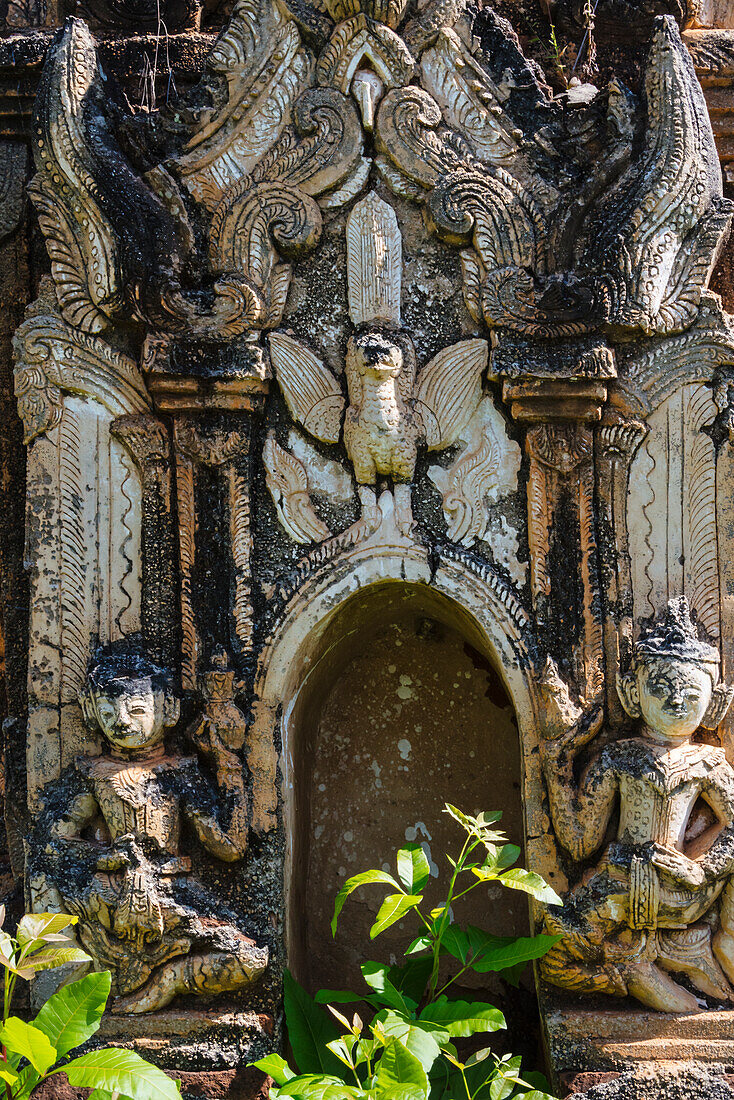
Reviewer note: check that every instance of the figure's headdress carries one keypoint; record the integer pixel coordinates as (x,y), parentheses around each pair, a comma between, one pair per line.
(114,665)
(675,635)
(117,665)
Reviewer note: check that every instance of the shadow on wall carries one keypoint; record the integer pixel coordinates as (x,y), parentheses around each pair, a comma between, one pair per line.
(401,712)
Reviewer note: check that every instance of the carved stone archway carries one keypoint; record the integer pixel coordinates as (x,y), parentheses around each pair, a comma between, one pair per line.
(486,615)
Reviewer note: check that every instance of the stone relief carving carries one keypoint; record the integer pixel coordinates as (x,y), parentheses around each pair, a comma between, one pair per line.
(140,912)
(660,899)
(391,406)
(287,481)
(673,489)
(483,473)
(381,150)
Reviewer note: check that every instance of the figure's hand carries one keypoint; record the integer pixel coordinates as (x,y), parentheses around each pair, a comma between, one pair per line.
(123,852)
(579,734)
(678,866)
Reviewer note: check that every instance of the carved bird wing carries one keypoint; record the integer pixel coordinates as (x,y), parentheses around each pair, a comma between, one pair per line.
(449,389)
(312,393)
(287,483)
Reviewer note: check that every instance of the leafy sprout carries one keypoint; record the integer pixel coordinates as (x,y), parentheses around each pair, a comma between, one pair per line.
(33,1052)
(408,1050)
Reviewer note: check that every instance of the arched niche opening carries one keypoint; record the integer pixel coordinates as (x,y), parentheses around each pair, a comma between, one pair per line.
(401,707)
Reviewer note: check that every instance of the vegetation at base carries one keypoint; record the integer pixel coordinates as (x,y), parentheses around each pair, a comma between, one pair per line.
(408,1050)
(33,1052)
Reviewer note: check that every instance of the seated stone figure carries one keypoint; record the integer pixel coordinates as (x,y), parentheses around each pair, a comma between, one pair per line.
(661,898)
(112,838)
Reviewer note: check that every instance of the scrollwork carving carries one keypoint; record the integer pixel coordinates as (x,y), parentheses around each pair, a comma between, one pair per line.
(53,358)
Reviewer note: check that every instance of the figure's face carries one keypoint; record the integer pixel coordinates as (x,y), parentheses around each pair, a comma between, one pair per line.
(381,362)
(388,366)
(135,718)
(674,697)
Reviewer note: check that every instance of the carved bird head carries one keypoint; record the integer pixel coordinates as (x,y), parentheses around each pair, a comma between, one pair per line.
(375,355)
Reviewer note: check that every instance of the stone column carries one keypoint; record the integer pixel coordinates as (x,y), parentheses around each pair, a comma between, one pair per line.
(211,410)
(558,404)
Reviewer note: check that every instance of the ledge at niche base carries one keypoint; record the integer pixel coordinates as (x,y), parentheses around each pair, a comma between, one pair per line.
(595,1039)
(211,1038)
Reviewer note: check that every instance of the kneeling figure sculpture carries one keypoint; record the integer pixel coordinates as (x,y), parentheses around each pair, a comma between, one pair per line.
(112,843)
(661,898)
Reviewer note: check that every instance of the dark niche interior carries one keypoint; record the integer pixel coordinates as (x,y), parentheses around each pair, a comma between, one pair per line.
(400,711)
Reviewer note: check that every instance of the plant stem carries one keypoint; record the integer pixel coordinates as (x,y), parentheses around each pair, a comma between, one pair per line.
(469,846)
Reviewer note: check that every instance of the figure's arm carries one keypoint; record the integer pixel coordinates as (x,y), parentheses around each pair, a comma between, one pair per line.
(66,830)
(718,861)
(79,813)
(580,811)
(718,790)
(228,841)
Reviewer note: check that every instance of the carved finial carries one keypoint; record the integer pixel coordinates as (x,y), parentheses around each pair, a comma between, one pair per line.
(374,262)
(560,711)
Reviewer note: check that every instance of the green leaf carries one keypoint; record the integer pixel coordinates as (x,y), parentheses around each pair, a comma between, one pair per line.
(48,960)
(8,961)
(414,869)
(72,1014)
(339,997)
(530,883)
(512,974)
(366,878)
(463,1018)
(33,926)
(310,1086)
(399,1069)
(309,1030)
(8,1076)
(487,953)
(29,1042)
(123,1071)
(537,1080)
(422,943)
(497,859)
(423,1043)
(393,909)
(275,1067)
(377,977)
(412,977)
(469,823)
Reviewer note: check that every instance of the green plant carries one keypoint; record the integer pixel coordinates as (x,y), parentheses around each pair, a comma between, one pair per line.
(33,1052)
(408,1051)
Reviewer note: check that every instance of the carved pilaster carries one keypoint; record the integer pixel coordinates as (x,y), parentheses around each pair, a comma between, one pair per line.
(616,441)
(223,447)
(146,438)
(561,527)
